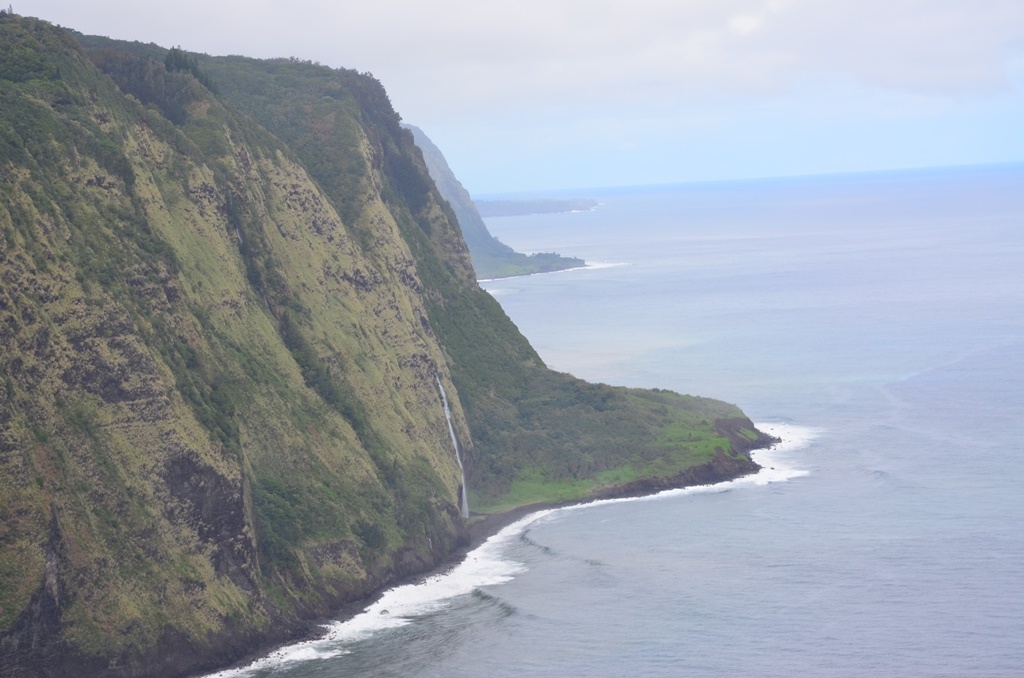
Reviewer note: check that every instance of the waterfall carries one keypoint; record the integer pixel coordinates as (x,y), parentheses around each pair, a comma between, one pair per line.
(455,443)
(241,243)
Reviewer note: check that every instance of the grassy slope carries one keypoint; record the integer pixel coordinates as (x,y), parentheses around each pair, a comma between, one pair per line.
(491,257)
(530,425)
(219,412)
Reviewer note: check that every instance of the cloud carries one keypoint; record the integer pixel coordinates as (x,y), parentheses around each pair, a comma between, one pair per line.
(505,56)
(552,73)
(544,51)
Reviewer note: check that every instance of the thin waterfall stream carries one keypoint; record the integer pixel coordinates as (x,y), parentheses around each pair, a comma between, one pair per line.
(455,443)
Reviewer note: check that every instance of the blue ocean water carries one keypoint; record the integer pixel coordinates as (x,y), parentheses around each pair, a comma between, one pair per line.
(877,321)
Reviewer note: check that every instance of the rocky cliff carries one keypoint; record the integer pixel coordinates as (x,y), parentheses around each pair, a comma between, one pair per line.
(228,293)
(491,257)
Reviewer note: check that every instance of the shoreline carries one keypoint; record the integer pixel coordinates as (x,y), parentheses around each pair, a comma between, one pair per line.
(315,631)
(585,267)
(722,469)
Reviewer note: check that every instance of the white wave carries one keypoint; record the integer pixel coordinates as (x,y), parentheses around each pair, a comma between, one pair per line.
(298,652)
(602,264)
(486,566)
(588,266)
(774,461)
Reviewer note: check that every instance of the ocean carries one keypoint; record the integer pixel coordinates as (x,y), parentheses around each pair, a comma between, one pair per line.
(875,322)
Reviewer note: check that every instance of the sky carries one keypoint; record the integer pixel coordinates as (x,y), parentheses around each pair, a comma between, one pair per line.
(531,95)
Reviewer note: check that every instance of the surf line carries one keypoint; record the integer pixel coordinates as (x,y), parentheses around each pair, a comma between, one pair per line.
(487,565)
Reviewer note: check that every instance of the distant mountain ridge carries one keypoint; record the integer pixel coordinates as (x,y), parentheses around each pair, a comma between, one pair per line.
(491,257)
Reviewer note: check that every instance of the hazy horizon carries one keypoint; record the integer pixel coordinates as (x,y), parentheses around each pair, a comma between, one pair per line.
(582,191)
(531,96)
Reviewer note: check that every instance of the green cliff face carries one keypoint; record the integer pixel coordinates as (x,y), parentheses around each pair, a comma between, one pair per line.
(223,318)
(491,257)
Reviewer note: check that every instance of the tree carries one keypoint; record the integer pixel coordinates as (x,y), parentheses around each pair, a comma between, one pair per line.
(178,59)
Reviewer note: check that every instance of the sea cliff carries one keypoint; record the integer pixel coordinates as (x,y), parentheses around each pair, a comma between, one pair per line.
(229,291)
(491,257)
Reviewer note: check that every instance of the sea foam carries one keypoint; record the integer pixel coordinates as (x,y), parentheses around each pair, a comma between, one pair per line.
(775,462)
(484,566)
(298,652)
(487,566)
(588,266)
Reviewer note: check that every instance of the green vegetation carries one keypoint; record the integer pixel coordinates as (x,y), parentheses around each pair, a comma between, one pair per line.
(523,419)
(588,435)
(491,257)
(178,60)
(222,318)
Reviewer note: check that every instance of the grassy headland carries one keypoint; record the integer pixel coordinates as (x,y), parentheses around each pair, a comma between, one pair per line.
(491,257)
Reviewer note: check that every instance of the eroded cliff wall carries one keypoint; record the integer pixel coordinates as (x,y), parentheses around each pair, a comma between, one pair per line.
(228,289)
(220,411)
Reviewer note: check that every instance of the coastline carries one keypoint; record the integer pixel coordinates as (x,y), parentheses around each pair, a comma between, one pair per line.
(721,469)
(311,641)
(585,267)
